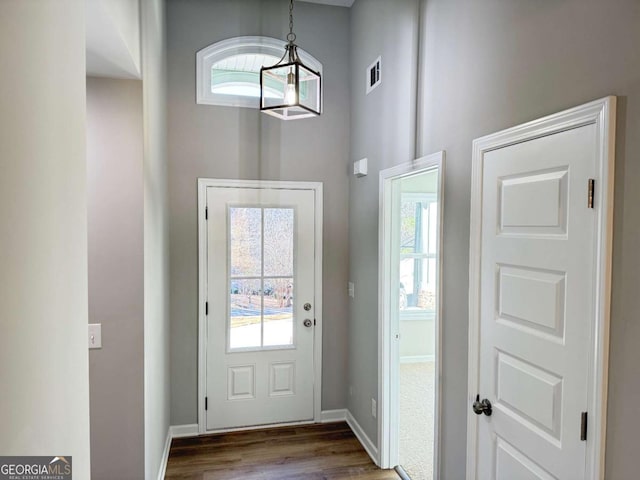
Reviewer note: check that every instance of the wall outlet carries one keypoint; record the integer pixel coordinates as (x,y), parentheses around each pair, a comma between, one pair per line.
(352,290)
(374,408)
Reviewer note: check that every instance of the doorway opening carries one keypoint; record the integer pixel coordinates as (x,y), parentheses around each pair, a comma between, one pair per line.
(410,231)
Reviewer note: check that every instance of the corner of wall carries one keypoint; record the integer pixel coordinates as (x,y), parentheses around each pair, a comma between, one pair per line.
(156,236)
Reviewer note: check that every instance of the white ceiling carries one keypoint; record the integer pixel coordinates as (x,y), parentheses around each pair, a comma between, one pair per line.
(337,3)
(113,38)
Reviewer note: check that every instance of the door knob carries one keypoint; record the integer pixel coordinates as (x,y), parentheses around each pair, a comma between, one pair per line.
(307,322)
(480,407)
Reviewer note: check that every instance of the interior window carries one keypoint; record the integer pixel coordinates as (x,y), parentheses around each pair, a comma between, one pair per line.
(418,273)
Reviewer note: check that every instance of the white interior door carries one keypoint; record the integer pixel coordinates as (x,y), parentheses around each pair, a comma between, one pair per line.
(537,304)
(260,293)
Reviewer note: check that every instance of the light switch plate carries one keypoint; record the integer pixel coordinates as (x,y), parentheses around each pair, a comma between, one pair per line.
(95,335)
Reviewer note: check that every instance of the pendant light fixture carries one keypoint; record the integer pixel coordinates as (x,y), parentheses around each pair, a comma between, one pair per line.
(289,89)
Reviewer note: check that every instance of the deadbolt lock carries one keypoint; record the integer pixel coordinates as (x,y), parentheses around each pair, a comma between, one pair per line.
(307,306)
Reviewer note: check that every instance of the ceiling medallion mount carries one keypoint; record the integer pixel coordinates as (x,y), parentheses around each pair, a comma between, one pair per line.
(290,90)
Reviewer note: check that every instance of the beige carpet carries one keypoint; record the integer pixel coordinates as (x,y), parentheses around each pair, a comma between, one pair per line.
(416,419)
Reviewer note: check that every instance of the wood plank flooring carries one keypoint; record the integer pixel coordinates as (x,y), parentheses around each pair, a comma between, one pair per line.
(311,452)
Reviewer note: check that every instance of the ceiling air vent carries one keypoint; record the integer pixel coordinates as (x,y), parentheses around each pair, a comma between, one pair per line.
(374,77)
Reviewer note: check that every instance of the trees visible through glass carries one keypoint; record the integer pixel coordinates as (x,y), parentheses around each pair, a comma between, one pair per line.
(261,280)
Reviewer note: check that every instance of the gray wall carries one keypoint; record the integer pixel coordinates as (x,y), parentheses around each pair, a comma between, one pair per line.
(383,130)
(486,66)
(156,235)
(227,142)
(44,367)
(115,246)
(493,64)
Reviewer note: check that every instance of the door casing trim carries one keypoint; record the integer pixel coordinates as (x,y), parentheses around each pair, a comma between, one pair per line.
(602,114)
(386,391)
(203,184)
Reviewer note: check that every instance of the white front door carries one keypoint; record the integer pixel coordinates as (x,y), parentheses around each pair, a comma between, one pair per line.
(537,304)
(260,292)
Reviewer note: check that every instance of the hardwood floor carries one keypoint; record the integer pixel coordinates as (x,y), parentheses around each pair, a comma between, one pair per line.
(313,452)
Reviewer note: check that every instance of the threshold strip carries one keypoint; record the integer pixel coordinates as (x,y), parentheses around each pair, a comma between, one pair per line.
(401,473)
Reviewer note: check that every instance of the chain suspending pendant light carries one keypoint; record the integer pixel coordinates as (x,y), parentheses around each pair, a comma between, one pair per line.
(289,89)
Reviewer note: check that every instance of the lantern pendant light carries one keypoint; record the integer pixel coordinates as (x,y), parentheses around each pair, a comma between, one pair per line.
(289,89)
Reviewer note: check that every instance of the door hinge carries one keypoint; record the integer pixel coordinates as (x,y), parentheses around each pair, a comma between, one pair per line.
(206,213)
(206,308)
(314,322)
(583,427)
(206,403)
(591,189)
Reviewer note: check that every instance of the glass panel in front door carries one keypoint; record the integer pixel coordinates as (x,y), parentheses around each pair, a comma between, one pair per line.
(261,278)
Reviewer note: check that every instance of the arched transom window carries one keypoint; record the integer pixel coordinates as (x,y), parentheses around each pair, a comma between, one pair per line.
(228,72)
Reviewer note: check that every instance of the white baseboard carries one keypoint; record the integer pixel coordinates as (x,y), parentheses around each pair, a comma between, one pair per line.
(366,442)
(174,431)
(179,431)
(330,416)
(165,456)
(418,359)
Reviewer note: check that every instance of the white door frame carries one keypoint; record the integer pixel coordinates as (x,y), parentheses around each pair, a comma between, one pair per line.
(387,347)
(600,113)
(203,184)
